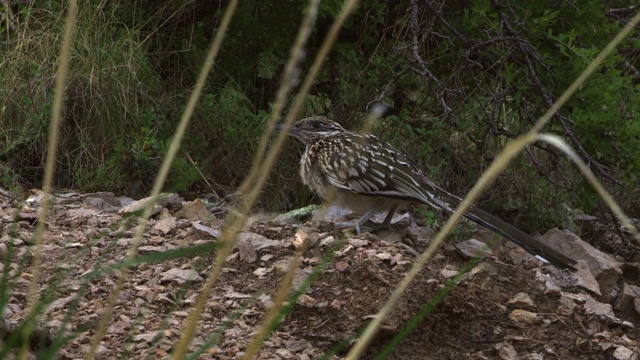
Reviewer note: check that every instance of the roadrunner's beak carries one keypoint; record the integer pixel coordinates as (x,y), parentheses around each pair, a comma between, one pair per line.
(291,130)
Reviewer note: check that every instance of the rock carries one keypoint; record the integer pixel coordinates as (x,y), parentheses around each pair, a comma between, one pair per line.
(358,243)
(584,217)
(524,317)
(260,242)
(147,337)
(568,302)
(325,226)
(150,249)
(305,237)
(37,197)
(246,250)
(296,345)
(605,269)
(624,353)
(170,201)
(260,272)
(165,226)
(285,354)
(342,266)
(398,219)
(299,278)
(30,217)
(59,303)
(631,270)
(448,273)
(306,301)
(328,241)
(489,268)
(282,266)
(215,233)
(102,201)
(383,256)
(473,248)
(393,236)
(521,299)
(124,201)
(585,279)
(397,260)
(329,214)
(519,257)
(593,307)
(548,285)
(506,351)
(336,304)
(422,234)
(267,257)
(236,295)
(74,245)
(180,276)
(82,213)
(265,301)
(272,232)
(627,298)
(194,211)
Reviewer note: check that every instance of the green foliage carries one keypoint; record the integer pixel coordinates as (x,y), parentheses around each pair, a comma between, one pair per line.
(9,180)
(456,92)
(427,216)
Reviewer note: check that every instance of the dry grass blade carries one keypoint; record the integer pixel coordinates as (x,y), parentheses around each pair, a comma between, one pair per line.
(281,296)
(253,184)
(499,164)
(56,119)
(290,79)
(164,171)
(613,205)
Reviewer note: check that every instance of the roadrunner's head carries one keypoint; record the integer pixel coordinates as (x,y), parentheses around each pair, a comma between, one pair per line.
(312,129)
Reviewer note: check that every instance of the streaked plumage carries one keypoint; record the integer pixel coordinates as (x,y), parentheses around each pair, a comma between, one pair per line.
(360,172)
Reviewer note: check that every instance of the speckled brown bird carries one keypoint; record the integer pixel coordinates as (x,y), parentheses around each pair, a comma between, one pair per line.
(359,172)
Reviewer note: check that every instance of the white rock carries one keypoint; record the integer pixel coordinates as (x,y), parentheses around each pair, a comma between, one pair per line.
(624,353)
(524,317)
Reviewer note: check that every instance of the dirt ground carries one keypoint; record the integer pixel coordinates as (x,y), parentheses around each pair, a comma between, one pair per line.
(477,320)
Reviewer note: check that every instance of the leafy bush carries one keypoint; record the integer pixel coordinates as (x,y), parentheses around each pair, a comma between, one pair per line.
(459,80)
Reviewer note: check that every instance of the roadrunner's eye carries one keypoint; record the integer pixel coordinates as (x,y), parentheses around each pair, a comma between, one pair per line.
(316,125)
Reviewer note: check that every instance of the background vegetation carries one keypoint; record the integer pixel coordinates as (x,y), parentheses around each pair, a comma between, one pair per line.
(458,79)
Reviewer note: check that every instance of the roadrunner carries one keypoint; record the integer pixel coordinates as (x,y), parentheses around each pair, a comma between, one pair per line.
(359,172)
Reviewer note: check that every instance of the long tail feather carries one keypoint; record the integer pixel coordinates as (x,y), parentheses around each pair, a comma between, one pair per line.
(532,245)
(436,196)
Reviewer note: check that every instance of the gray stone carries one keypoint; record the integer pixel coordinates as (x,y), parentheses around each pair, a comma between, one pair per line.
(171,201)
(605,269)
(473,248)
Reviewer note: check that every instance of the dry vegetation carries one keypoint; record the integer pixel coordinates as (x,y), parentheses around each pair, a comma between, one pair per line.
(145,108)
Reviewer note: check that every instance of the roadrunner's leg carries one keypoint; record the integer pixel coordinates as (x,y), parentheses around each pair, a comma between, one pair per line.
(364,224)
(358,224)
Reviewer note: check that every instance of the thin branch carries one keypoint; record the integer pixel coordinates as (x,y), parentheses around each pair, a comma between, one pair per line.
(444,22)
(528,53)
(415,28)
(391,85)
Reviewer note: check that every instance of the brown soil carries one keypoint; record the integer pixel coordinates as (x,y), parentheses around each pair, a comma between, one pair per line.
(472,322)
